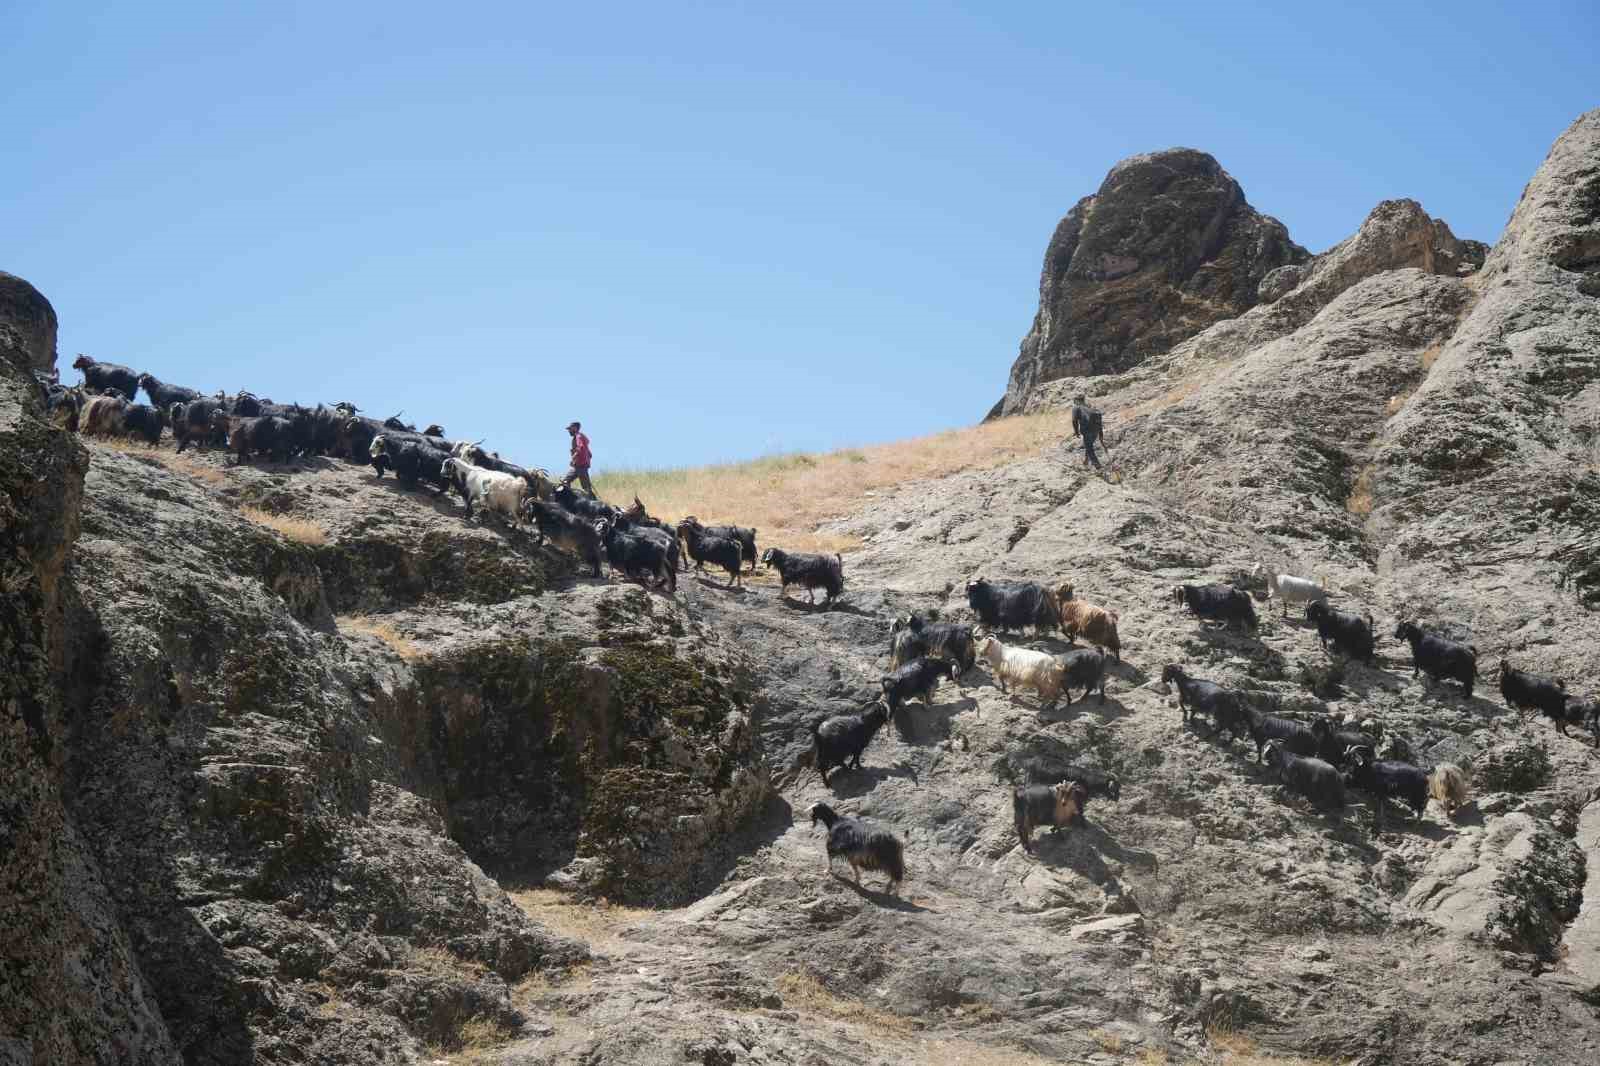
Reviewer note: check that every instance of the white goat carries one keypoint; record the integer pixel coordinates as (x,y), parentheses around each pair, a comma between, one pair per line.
(1023,667)
(489,490)
(1297,590)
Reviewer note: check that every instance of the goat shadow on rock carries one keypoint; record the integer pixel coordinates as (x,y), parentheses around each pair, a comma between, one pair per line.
(708,582)
(1061,711)
(1085,849)
(857,783)
(880,897)
(929,725)
(838,606)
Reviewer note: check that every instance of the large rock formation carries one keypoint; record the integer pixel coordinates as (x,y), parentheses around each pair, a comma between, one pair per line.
(1167,246)
(1099,315)
(27,325)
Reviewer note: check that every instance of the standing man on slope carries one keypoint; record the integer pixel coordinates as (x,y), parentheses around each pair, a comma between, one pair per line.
(1086,423)
(580,459)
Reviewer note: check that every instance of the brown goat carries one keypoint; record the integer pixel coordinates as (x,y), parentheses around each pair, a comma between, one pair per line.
(1096,624)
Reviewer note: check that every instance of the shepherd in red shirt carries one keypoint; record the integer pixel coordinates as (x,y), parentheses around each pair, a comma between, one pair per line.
(580,459)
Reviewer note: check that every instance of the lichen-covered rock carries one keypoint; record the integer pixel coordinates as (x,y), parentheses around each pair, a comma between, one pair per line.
(1515,884)
(1514,766)
(27,325)
(1164,248)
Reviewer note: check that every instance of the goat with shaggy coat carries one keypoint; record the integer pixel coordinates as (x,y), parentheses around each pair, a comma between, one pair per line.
(1198,696)
(1024,668)
(1582,712)
(1013,605)
(1351,634)
(1222,603)
(102,416)
(914,637)
(1530,692)
(1086,667)
(163,395)
(705,547)
(1046,805)
(566,531)
(1095,624)
(863,845)
(1314,779)
(744,536)
(488,490)
(1411,785)
(919,677)
(808,570)
(840,739)
(1438,658)
(98,377)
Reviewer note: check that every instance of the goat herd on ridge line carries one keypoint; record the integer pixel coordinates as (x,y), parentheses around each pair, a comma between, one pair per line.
(1319,760)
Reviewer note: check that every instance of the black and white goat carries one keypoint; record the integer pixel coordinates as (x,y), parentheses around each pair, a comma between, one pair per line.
(863,845)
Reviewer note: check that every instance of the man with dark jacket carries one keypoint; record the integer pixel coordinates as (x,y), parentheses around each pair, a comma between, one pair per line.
(580,459)
(1086,423)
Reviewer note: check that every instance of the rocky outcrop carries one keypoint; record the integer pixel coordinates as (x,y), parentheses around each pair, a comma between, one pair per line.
(1167,246)
(27,325)
(1397,235)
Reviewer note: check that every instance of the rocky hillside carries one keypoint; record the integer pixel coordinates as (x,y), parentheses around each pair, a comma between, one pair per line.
(279,739)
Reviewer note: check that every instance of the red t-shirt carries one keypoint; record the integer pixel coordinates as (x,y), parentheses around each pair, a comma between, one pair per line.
(580,450)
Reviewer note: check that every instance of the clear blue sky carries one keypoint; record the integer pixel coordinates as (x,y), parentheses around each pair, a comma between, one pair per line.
(709,231)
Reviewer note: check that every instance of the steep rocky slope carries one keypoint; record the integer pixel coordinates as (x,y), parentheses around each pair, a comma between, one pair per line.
(263,794)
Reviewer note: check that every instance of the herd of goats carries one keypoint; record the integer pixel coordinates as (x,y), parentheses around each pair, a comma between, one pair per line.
(1320,760)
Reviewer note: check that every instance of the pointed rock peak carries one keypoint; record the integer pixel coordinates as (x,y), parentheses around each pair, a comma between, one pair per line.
(27,325)
(1165,247)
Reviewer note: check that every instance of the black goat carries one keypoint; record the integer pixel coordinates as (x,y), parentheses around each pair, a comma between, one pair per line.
(839,740)
(1581,712)
(1384,779)
(566,531)
(1314,779)
(582,505)
(912,637)
(863,845)
(163,395)
(705,547)
(1040,805)
(1013,605)
(1217,603)
(665,538)
(919,677)
(98,377)
(1351,634)
(1530,692)
(411,462)
(1439,658)
(637,554)
(142,420)
(1333,742)
(195,421)
(1294,736)
(1199,696)
(808,570)
(265,434)
(1086,667)
(744,536)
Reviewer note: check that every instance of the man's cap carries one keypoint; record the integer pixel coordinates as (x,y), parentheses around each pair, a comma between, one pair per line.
(573,425)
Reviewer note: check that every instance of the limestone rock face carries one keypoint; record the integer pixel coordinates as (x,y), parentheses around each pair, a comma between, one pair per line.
(27,325)
(1167,246)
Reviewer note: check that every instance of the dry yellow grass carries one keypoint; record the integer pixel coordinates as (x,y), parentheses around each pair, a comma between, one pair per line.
(592,923)
(1431,354)
(1240,1050)
(1398,400)
(384,631)
(300,530)
(1360,501)
(801,991)
(786,497)
(167,456)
